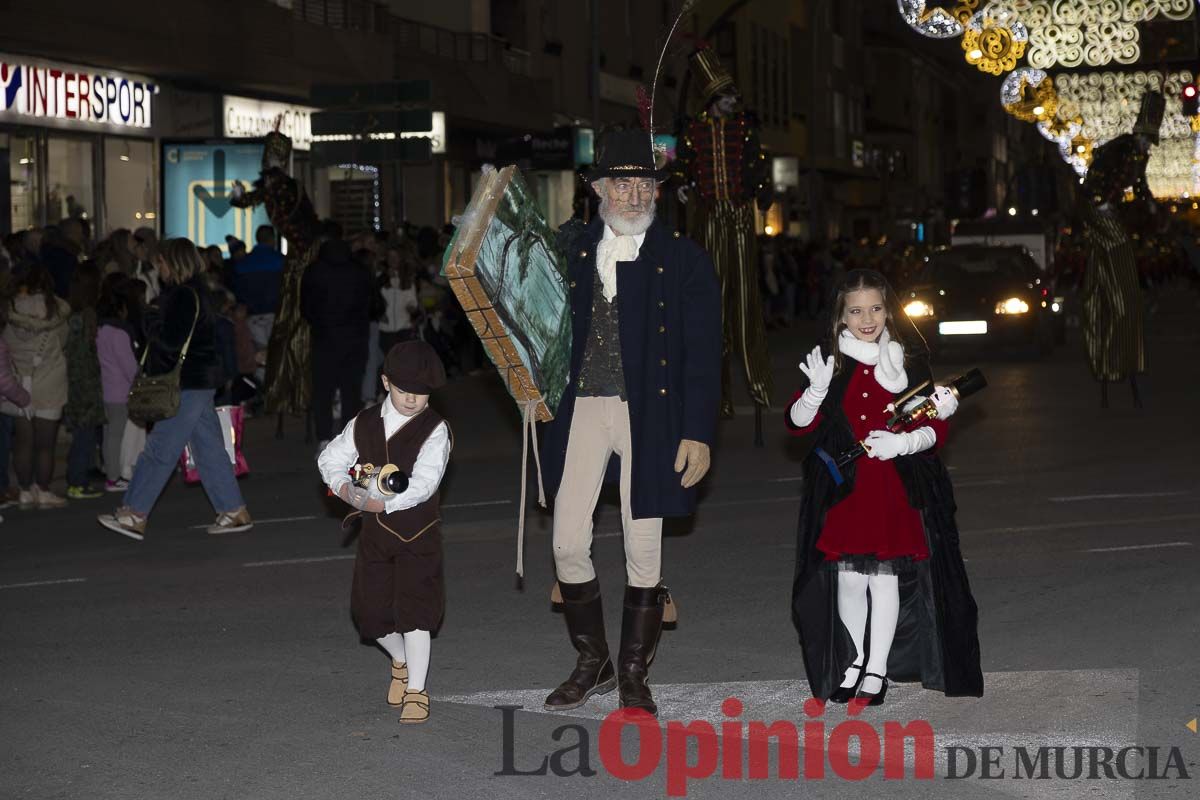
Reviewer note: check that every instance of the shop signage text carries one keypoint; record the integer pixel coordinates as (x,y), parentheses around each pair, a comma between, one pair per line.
(246,118)
(68,93)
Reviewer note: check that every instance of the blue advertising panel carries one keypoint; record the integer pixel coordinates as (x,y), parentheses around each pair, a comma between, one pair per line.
(197,183)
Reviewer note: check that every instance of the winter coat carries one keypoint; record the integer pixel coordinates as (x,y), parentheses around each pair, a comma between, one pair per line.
(168,322)
(85,396)
(36,343)
(10,385)
(669,318)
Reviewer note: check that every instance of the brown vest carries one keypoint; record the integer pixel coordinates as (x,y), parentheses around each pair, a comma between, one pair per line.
(402,450)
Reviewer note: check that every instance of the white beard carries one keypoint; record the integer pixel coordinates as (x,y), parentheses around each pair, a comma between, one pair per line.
(624,226)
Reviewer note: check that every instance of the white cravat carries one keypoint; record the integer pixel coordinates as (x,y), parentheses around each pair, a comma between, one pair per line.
(614,248)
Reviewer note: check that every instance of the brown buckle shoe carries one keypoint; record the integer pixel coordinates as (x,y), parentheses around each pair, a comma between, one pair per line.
(593,673)
(399,684)
(416,708)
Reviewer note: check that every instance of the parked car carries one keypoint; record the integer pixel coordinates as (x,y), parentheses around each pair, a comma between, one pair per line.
(983,295)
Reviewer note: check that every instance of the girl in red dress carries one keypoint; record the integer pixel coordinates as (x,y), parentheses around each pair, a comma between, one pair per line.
(866,535)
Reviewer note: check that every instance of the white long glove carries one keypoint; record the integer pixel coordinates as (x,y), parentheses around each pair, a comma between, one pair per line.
(885,445)
(819,372)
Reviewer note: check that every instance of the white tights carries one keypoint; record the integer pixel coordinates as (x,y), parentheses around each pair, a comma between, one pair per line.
(885,610)
(411,648)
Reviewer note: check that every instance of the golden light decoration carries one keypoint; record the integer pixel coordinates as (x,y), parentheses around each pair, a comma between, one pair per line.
(965,10)
(1029,95)
(1081,148)
(994,40)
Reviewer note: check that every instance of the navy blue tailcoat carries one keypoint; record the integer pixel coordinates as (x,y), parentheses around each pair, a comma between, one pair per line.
(669,316)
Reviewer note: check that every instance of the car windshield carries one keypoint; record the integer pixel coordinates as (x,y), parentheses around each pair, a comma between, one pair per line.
(959,265)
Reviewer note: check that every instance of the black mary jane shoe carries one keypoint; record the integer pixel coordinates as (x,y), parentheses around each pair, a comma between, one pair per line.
(868,699)
(844,694)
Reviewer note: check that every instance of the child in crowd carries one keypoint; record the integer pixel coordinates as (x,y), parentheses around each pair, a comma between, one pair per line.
(115,339)
(398,595)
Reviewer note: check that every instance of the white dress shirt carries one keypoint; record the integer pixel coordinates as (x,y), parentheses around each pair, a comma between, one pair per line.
(614,248)
(340,455)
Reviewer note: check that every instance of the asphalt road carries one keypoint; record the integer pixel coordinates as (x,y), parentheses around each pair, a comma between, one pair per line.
(193,666)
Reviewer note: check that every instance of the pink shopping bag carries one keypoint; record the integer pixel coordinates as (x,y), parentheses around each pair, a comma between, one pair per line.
(231,419)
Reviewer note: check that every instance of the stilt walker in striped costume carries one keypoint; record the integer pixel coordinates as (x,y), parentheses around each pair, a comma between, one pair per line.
(1112,297)
(719,156)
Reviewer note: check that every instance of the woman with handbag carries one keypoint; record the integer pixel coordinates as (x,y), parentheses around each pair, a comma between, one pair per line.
(181,371)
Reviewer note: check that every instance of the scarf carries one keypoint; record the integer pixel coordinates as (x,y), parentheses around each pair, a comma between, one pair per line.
(608,253)
(889,369)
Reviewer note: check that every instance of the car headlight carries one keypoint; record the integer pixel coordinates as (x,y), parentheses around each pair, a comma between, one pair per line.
(918,308)
(1013,305)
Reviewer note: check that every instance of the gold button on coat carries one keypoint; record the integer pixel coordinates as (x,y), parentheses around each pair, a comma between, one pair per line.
(572,284)
(660,270)
(662,362)
(662,328)
(662,392)
(583,253)
(661,304)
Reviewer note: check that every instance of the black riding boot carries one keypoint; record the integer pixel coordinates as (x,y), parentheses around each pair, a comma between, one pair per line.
(593,673)
(641,623)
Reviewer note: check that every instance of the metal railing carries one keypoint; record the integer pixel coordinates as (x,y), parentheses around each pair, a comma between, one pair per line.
(368,16)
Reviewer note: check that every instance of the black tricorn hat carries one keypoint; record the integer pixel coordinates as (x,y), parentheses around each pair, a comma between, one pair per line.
(625,153)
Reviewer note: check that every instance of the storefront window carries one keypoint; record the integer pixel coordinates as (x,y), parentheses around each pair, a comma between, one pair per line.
(69,179)
(130,190)
(18,189)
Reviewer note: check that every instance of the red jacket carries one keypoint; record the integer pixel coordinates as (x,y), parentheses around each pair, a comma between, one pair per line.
(876,518)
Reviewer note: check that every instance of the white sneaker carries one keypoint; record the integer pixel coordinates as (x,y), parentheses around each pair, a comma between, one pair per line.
(26,500)
(47,499)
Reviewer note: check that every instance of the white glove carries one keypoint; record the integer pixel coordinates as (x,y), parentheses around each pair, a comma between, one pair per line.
(945,402)
(819,372)
(237,190)
(361,499)
(682,194)
(885,445)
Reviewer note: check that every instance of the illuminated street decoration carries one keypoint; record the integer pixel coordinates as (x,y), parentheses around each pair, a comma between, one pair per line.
(1077,111)
(1108,102)
(1073,33)
(994,40)
(936,23)
(1029,95)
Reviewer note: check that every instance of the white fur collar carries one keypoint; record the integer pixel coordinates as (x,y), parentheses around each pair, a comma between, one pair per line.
(889,370)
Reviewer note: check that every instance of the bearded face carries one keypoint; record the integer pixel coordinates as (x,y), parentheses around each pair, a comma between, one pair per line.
(627,205)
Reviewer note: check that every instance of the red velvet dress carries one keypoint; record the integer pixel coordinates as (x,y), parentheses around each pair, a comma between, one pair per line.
(876,519)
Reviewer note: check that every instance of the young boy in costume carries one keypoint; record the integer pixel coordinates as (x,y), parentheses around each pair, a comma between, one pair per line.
(398,594)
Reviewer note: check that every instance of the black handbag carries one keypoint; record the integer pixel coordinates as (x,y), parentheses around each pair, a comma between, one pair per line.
(153,398)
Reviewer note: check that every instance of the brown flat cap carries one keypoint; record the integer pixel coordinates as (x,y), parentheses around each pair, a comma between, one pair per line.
(414,367)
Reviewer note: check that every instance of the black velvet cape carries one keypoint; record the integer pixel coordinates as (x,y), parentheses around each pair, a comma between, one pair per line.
(936,639)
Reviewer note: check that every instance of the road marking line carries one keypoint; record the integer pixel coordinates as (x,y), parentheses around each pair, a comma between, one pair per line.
(1075,498)
(268,521)
(981,482)
(785,480)
(284,561)
(476,505)
(42,583)
(1137,547)
(1099,523)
